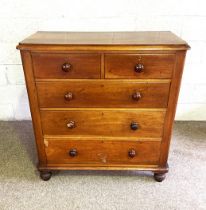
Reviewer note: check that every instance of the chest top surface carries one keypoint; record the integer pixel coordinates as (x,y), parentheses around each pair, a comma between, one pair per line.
(143,38)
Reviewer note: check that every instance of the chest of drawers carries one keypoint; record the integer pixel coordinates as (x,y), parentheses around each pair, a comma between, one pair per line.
(103,101)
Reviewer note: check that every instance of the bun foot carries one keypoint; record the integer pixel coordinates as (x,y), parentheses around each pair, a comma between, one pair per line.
(159,177)
(45,175)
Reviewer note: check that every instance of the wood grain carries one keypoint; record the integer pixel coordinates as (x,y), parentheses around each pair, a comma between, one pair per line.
(108,123)
(102,152)
(34,107)
(82,65)
(156,66)
(117,167)
(154,39)
(94,93)
(172,104)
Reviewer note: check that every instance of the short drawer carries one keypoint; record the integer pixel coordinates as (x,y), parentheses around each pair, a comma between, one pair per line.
(103,94)
(66,65)
(102,152)
(134,123)
(137,66)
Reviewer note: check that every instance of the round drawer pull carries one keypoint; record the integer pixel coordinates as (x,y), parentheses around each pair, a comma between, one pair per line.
(134,126)
(71,124)
(131,153)
(73,152)
(139,68)
(66,67)
(136,96)
(68,96)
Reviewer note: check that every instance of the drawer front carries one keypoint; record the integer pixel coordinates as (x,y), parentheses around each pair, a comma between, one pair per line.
(102,152)
(137,66)
(103,94)
(66,65)
(103,122)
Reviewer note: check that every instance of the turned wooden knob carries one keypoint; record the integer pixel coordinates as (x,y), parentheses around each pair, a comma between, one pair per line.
(136,96)
(73,152)
(68,96)
(66,67)
(131,153)
(134,126)
(139,68)
(71,124)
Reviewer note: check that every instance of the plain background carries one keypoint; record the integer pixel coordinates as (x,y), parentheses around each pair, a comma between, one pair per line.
(20,18)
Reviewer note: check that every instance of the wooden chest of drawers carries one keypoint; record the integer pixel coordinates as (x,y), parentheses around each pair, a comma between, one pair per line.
(103,101)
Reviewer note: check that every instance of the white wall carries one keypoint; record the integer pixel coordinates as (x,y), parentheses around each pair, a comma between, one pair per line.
(20,18)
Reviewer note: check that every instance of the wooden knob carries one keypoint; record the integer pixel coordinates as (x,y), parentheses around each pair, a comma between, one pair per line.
(68,96)
(131,153)
(66,67)
(136,96)
(134,126)
(73,152)
(71,124)
(139,68)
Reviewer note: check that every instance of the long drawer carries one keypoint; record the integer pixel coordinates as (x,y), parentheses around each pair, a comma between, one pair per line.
(105,93)
(60,65)
(131,123)
(66,151)
(139,66)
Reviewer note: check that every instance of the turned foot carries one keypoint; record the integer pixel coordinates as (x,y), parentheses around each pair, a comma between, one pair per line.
(159,177)
(45,175)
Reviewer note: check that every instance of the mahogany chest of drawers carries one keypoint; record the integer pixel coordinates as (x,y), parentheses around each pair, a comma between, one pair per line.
(103,101)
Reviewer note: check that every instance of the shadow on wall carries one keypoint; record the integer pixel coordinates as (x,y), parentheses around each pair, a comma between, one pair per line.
(21,107)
